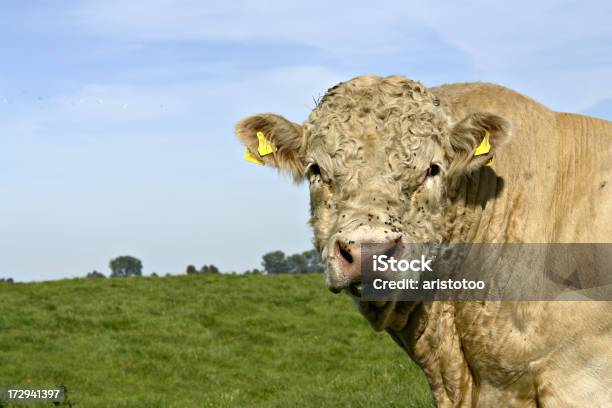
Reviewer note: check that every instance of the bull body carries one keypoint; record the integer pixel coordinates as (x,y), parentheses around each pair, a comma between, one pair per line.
(555,174)
(549,184)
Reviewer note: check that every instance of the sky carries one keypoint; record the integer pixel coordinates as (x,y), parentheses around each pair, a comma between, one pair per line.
(116,117)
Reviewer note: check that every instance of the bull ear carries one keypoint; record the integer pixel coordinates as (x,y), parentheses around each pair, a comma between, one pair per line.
(475,140)
(286,138)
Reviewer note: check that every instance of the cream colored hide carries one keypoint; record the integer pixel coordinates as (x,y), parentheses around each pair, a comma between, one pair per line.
(390,160)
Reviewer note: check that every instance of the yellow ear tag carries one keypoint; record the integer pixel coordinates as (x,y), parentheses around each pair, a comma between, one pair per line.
(250,157)
(484,148)
(265,146)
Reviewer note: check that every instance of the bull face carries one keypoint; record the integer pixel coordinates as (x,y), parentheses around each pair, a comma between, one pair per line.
(382,158)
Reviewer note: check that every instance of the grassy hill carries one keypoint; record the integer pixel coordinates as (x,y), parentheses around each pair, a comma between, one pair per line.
(201,341)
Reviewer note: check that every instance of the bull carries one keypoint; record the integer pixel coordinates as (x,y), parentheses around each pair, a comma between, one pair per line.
(389,160)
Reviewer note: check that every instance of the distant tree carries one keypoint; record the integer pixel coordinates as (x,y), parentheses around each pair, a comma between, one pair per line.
(313,261)
(154,275)
(191,270)
(296,263)
(7,280)
(209,269)
(124,266)
(95,274)
(275,262)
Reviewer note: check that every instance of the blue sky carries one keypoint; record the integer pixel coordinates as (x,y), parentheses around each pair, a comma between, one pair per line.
(116,118)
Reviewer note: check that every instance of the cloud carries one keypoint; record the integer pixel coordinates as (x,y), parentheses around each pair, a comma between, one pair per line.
(207,102)
(342,24)
(554,51)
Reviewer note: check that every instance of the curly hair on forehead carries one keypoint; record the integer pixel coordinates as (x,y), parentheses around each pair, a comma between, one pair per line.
(382,103)
(370,121)
(369,85)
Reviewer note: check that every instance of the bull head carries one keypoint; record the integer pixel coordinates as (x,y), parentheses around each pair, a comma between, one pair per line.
(384,160)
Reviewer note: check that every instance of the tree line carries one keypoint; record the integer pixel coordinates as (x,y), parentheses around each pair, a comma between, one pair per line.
(275,262)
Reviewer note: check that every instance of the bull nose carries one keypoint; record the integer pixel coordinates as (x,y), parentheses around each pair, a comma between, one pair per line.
(346,251)
(349,254)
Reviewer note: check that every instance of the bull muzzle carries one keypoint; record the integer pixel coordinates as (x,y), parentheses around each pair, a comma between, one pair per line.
(347,257)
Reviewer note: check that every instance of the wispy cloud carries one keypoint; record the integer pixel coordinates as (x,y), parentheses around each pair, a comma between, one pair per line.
(558,52)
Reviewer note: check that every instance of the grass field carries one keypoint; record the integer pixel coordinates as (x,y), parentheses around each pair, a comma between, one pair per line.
(201,341)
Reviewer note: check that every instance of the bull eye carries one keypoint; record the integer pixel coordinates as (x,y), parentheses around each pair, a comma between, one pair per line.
(313,170)
(433,170)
